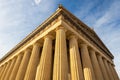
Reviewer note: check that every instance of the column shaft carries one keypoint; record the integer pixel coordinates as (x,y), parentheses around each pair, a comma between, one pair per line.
(16,67)
(86,61)
(5,71)
(60,71)
(96,66)
(115,73)
(102,66)
(2,69)
(108,69)
(23,65)
(112,71)
(33,63)
(10,69)
(69,76)
(75,61)
(45,65)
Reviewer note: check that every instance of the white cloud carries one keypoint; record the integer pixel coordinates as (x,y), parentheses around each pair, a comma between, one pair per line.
(19,18)
(37,2)
(85,8)
(105,20)
(108,28)
(112,14)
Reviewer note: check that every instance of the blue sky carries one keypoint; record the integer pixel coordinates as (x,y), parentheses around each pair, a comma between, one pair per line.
(19,17)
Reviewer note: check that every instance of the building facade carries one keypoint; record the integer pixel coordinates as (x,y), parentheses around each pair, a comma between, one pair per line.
(61,48)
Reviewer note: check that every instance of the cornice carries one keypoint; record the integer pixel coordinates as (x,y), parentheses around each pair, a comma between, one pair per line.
(33,33)
(87,31)
(73,20)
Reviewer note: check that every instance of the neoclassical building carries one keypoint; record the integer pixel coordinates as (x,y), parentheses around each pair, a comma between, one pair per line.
(61,48)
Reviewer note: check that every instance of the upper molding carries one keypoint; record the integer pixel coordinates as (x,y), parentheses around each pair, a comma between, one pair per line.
(86,30)
(73,20)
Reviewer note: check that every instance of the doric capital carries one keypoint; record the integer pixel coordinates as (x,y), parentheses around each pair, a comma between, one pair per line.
(83,45)
(37,44)
(49,36)
(99,55)
(92,50)
(72,36)
(61,28)
(28,49)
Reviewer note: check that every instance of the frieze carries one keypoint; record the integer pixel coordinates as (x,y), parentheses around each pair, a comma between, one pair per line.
(74,21)
(88,33)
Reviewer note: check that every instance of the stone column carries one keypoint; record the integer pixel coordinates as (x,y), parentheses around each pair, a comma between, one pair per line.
(102,66)
(86,61)
(114,72)
(23,65)
(96,66)
(109,64)
(10,69)
(33,63)
(108,69)
(16,67)
(45,66)
(60,71)
(5,71)
(3,68)
(0,69)
(69,76)
(75,61)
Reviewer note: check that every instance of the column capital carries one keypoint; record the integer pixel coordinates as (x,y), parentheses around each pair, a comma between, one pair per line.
(83,45)
(61,27)
(28,49)
(113,65)
(72,36)
(100,56)
(49,36)
(104,59)
(37,44)
(92,50)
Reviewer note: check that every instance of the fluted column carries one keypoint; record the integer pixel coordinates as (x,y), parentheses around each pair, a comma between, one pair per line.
(5,71)
(4,66)
(75,61)
(114,72)
(33,62)
(69,76)
(2,69)
(16,67)
(23,65)
(96,66)
(60,71)
(102,66)
(108,69)
(86,61)
(45,65)
(10,69)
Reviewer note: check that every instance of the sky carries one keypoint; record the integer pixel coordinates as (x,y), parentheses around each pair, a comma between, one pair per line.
(19,17)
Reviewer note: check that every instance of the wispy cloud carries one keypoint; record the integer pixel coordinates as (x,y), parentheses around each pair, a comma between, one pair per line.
(110,16)
(104,16)
(19,18)
(38,1)
(108,28)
